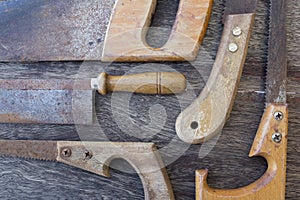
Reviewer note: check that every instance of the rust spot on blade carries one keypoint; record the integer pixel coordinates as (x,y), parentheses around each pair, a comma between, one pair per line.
(45,84)
(14,118)
(53,30)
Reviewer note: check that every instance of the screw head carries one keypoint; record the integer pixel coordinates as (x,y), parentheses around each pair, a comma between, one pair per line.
(66,152)
(277,137)
(87,155)
(94,84)
(278,115)
(236,31)
(232,47)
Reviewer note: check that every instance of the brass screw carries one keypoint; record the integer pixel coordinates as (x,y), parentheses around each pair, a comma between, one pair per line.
(66,152)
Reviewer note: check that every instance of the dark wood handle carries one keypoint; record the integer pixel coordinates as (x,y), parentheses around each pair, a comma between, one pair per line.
(144,83)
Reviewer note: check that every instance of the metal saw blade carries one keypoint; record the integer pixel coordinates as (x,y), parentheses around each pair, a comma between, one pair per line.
(233,7)
(39,150)
(277,54)
(51,101)
(46,30)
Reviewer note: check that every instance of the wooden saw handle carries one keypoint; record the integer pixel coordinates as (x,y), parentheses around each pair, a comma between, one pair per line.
(145,83)
(207,115)
(143,157)
(125,39)
(271,186)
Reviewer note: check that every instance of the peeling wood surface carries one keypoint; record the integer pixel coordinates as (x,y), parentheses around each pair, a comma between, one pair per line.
(228,162)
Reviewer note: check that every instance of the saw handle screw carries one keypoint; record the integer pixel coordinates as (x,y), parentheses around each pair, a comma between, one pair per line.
(278,115)
(87,155)
(277,137)
(236,31)
(66,152)
(232,47)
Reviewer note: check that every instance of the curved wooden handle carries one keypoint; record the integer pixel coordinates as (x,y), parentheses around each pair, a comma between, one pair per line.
(207,115)
(271,143)
(145,83)
(143,157)
(126,34)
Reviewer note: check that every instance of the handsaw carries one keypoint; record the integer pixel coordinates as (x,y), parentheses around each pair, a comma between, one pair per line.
(96,157)
(271,137)
(206,116)
(71,101)
(35,30)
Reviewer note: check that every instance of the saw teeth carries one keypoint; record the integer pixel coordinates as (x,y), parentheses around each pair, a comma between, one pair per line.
(27,158)
(266,71)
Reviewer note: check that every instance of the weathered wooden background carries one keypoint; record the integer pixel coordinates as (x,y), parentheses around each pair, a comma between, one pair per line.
(228,162)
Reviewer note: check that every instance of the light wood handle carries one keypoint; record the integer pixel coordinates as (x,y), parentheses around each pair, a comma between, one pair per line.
(144,83)
(271,186)
(125,39)
(143,157)
(207,115)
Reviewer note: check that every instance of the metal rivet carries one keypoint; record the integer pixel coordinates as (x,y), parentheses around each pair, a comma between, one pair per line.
(233,47)
(66,152)
(87,155)
(278,115)
(277,137)
(94,84)
(237,31)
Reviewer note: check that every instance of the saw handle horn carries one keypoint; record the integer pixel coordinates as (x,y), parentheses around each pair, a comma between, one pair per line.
(144,83)
(271,143)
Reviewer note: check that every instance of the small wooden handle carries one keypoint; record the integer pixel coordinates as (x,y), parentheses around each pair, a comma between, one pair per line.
(206,116)
(144,83)
(271,143)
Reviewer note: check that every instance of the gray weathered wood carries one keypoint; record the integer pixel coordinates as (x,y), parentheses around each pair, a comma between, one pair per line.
(228,162)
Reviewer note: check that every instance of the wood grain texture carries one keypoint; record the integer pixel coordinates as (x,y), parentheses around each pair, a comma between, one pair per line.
(271,186)
(125,39)
(144,83)
(206,116)
(227,162)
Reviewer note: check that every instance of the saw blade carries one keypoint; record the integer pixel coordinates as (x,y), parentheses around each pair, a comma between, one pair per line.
(57,101)
(233,7)
(53,30)
(277,55)
(29,149)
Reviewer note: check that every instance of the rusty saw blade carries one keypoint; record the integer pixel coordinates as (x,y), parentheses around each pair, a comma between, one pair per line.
(234,7)
(71,101)
(277,54)
(38,150)
(54,101)
(47,30)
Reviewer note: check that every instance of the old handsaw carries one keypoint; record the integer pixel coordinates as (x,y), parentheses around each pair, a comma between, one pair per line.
(95,157)
(71,101)
(207,115)
(43,30)
(271,137)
